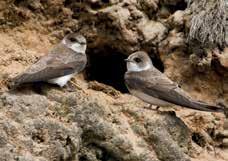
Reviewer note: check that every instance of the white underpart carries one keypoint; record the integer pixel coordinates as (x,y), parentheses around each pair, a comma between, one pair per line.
(135,68)
(61,81)
(149,99)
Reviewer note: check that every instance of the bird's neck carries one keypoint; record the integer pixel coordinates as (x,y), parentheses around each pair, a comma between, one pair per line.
(131,67)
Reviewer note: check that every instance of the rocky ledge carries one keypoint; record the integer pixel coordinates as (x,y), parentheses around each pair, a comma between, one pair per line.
(89,125)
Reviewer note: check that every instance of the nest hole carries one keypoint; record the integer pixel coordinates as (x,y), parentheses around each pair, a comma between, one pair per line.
(157,62)
(108,66)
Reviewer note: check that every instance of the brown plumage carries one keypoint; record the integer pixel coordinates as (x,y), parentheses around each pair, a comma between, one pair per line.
(62,60)
(156,88)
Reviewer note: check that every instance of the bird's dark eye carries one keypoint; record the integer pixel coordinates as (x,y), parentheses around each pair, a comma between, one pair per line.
(72,39)
(83,43)
(137,60)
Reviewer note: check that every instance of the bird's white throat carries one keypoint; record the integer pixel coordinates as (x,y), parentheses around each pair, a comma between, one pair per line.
(75,47)
(78,48)
(135,68)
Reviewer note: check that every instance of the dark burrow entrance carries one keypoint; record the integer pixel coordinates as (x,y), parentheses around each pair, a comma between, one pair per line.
(108,66)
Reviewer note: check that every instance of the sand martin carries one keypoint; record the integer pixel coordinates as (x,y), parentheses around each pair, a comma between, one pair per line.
(64,61)
(146,82)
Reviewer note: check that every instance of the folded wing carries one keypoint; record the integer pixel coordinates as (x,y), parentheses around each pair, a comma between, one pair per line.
(57,63)
(156,84)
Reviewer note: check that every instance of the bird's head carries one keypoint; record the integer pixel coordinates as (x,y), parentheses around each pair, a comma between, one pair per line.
(76,42)
(138,61)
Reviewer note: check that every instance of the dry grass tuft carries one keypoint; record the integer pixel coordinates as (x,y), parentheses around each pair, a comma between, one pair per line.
(208,22)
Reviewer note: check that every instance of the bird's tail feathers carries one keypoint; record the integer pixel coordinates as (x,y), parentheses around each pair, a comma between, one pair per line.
(222,104)
(206,107)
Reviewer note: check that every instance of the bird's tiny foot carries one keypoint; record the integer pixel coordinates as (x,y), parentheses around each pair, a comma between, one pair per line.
(76,85)
(150,107)
(73,87)
(70,87)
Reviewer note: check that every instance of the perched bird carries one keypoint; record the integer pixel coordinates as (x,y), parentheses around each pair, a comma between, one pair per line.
(64,61)
(144,81)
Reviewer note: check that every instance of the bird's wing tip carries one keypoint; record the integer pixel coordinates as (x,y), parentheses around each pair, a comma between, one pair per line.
(224,106)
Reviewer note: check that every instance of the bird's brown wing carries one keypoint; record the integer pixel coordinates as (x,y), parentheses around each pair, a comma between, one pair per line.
(59,62)
(156,84)
(45,74)
(149,79)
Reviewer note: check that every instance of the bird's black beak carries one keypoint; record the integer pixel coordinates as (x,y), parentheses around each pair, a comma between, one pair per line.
(127,60)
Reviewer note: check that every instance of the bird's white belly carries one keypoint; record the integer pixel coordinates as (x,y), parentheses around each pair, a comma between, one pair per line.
(149,99)
(61,81)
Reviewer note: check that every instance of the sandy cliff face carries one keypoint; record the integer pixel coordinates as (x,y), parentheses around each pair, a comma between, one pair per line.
(98,123)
